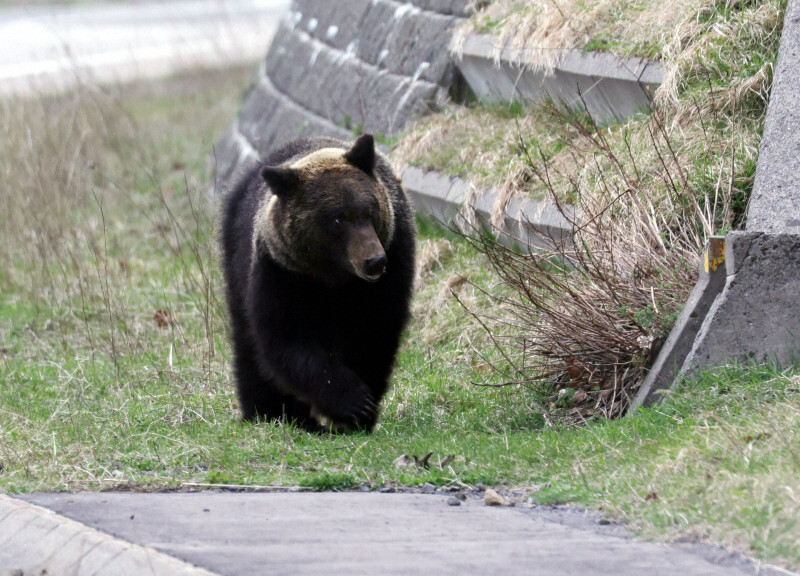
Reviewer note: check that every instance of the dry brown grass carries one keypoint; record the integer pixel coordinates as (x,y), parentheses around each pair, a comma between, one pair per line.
(540,32)
(47,170)
(56,255)
(108,307)
(725,56)
(93,192)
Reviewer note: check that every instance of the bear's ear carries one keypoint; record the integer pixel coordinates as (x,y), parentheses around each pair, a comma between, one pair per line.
(362,154)
(281,180)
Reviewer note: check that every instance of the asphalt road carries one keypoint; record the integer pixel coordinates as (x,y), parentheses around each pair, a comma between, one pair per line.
(338,534)
(50,48)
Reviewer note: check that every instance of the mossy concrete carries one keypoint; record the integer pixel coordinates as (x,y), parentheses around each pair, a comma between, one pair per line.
(527,224)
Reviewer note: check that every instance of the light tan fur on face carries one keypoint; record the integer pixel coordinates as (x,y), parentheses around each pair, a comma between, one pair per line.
(322,159)
(387,217)
(265,229)
(266,226)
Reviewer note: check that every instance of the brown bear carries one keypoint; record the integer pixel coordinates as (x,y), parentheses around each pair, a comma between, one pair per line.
(318,247)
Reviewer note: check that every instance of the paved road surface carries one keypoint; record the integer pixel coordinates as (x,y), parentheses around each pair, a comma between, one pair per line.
(49,48)
(331,534)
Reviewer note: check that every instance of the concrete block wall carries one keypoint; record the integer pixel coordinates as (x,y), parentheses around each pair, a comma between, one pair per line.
(612,88)
(337,67)
(528,224)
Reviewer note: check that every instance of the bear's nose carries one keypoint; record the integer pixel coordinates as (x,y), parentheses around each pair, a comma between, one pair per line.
(375,266)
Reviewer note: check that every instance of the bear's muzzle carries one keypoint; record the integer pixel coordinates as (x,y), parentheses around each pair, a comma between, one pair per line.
(375,267)
(366,254)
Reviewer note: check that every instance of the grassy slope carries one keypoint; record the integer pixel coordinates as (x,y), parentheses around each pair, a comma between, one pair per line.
(96,394)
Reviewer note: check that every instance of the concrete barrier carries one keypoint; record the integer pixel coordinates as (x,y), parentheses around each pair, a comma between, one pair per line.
(528,224)
(612,88)
(339,68)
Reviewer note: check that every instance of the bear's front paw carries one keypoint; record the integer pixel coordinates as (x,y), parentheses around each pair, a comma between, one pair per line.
(346,399)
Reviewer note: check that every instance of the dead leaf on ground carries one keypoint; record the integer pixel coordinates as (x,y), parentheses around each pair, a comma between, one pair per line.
(762,436)
(404,461)
(162,318)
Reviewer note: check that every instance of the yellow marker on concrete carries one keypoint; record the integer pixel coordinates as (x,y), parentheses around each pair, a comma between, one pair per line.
(714,253)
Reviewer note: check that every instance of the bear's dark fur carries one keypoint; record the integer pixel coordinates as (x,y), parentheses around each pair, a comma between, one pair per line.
(318,246)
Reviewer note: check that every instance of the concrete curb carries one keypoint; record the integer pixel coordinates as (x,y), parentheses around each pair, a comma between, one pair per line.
(613,88)
(755,318)
(35,540)
(679,342)
(527,224)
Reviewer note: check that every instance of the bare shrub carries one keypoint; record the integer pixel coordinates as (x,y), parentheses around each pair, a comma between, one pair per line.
(593,307)
(586,318)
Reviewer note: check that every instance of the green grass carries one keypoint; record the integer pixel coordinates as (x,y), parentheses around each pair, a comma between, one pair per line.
(96,393)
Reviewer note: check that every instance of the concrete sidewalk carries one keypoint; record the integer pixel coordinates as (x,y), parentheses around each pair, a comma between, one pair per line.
(234,534)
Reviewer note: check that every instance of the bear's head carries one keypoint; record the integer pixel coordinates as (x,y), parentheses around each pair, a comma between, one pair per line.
(329,215)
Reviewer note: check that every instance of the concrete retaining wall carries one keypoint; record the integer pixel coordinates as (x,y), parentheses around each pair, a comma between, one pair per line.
(338,68)
(613,89)
(528,224)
